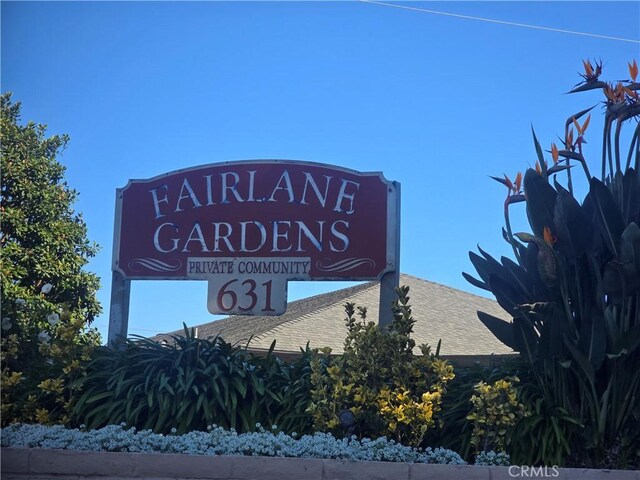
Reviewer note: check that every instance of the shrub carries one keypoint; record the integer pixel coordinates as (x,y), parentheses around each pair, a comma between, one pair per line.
(193,383)
(495,412)
(454,430)
(574,291)
(543,436)
(378,387)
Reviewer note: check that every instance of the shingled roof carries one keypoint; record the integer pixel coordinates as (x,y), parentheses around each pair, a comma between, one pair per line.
(440,312)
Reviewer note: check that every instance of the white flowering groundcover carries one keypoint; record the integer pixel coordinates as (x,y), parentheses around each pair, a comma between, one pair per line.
(218,441)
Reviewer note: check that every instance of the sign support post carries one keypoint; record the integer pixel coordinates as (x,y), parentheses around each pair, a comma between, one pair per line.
(388,284)
(391,280)
(119,310)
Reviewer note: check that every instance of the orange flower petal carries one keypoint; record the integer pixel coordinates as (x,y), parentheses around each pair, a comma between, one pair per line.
(509,184)
(633,70)
(598,68)
(570,139)
(609,93)
(554,153)
(549,237)
(576,124)
(518,182)
(585,125)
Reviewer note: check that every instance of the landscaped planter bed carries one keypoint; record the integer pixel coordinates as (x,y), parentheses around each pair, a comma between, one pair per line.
(40,463)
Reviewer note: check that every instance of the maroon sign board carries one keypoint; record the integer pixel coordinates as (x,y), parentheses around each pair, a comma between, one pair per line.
(248,227)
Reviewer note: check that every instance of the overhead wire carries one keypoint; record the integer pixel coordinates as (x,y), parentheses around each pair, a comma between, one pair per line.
(501,22)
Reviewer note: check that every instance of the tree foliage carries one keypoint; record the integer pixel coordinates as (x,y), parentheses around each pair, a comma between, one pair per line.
(48,300)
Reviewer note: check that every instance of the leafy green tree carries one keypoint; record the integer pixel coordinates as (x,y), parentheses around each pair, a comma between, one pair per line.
(48,300)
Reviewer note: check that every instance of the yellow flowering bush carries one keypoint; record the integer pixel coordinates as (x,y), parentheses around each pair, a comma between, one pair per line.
(378,387)
(496,410)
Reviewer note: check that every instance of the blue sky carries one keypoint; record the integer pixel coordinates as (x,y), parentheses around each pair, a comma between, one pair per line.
(435,102)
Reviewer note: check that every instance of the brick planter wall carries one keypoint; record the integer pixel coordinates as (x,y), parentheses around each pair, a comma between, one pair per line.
(40,464)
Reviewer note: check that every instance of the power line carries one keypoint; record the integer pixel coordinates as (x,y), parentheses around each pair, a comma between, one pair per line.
(501,22)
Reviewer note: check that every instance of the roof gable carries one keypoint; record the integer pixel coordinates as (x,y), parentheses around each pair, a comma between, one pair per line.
(440,312)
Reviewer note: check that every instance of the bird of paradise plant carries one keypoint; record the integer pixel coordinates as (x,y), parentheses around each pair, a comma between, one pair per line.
(574,290)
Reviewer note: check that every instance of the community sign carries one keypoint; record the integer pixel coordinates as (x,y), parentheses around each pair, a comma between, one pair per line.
(249,227)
